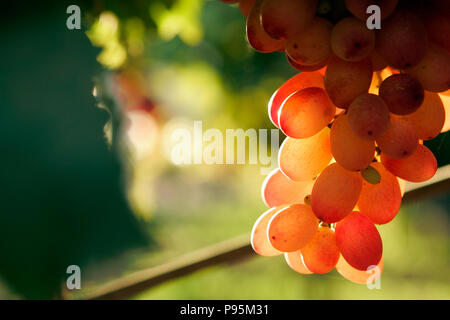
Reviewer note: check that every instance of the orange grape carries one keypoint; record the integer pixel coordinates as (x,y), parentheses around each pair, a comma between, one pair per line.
(245,6)
(438,29)
(350,152)
(446,102)
(335,193)
(429,119)
(259,241)
(306,112)
(296,83)
(291,228)
(381,201)
(256,35)
(402,93)
(321,254)
(400,139)
(277,189)
(304,159)
(351,40)
(295,262)
(433,71)
(312,46)
(283,19)
(359,7)
(418,167)
(359,241)
(344,81)
(402,41)
(368,116)
(355,275)
(303,68)
(378,62)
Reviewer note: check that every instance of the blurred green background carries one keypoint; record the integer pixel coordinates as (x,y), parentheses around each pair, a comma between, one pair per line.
(94,186)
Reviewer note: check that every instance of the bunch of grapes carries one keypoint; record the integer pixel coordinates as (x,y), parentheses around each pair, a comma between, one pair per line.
(355,118)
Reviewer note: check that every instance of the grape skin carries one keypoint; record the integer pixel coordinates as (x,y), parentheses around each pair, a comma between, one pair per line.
(311,47)
(283,19)
(381,201)
(321,254)
(359,241)
(402,93)
(419,167)
(305,113)
(351,40)
(278,189)
(291,228)
(350,151)
(304,159)
(335,193)
(258,240)
(400,139)
(402,41)
(344,81)
(295,261)
(368,116)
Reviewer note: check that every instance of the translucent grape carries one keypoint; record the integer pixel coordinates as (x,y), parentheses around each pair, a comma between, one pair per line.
(433,71)
(295,262)
(359,241)
(429,119)
(348,150)
(378,62)
(283,19)
(321,254)
(402,93)
(400,139)
(358,276)
(296,83)
(245,6)
(418,167)
(402,41)
(304,159)
(259,241)
(277,189)
(381,201)
(303,68)
(312,46)
(351,40)
(438,29)
(446,102)
(335,193)
(306,112)
(344,81)
(256,35)
(291,228)
(368,116)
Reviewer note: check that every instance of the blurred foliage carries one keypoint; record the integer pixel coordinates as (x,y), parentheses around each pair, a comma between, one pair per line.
(62,199)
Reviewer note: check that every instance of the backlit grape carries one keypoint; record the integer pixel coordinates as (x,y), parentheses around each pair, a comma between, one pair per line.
(344,81)
(335,193)
(304,159)
(350,151)
(306,112)
(291,228)
(359,241)
(278,189)
(418,167)
(321,254)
